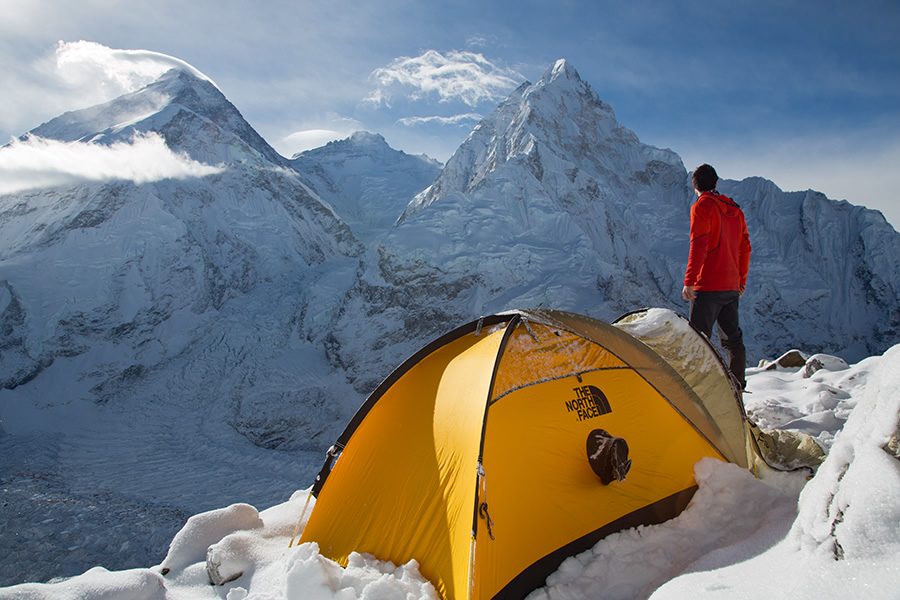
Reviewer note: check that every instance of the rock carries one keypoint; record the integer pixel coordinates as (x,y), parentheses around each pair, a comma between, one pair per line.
(790,359)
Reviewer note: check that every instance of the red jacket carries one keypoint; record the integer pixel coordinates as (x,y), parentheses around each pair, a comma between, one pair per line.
(720,246)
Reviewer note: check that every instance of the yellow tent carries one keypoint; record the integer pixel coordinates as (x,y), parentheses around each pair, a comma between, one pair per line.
(520,439)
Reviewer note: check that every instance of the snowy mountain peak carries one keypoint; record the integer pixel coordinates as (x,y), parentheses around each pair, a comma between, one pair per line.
(559,86)
(559,116)
(188,110)
(562,71)
(359,142)
(367,138)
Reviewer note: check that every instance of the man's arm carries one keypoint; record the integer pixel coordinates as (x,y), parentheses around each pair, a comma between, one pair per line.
(744,254)
(700,230)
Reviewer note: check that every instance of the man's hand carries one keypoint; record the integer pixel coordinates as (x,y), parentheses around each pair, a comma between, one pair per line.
(688,293)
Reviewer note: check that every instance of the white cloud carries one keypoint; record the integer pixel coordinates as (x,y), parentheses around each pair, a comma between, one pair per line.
(300,141)
(37,163)
(317,133)
(467,77)
(454,120)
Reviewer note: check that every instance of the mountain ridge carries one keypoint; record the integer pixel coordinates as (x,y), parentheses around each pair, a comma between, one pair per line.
(551,202)
(183,323)
(368,252)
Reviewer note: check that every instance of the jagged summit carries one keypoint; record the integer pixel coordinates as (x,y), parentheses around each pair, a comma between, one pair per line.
(562,67)
(365,142)
(559,116)
(361,138)
(561,74)
(104,122)
(562,81)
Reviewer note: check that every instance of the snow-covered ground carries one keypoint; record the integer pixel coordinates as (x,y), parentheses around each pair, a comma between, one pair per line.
(834,536)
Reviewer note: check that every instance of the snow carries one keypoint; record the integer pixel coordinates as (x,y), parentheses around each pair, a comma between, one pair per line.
(834,536)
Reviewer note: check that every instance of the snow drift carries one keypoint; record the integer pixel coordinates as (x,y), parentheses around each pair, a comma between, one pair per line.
(739,538)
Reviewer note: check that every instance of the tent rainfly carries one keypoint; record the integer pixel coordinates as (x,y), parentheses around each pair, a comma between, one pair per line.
(523,438)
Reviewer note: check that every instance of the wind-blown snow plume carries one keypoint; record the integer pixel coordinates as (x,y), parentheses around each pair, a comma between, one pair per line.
(115,71)
(77,74)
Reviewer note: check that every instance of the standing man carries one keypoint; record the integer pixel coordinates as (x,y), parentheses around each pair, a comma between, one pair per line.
(716,275)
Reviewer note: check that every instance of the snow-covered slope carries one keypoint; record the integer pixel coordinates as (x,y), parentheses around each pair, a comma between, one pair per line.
(367,182)
(824,272)
(551,202)
(156,322)
(836,539)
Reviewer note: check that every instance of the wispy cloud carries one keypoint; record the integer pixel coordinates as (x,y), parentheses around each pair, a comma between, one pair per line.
(454,120)
(462,76)
(36,163)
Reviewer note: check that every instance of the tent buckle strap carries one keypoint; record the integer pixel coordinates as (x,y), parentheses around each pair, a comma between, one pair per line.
(330,455)
(483,507)
(483,512)
(528,329)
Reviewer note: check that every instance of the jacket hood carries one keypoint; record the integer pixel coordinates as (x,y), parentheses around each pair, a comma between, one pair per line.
(728,206)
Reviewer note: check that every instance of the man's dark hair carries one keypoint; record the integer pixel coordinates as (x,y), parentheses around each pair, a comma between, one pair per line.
(704,178)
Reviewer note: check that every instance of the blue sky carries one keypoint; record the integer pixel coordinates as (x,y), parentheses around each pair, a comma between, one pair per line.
(806,94)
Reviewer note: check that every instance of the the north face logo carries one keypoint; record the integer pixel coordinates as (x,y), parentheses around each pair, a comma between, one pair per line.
(589,402)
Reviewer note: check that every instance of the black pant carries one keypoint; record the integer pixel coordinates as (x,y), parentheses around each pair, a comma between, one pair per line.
(721,308)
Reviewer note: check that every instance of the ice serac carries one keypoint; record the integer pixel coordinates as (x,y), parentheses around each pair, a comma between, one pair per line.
(822,271)
(185,291)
